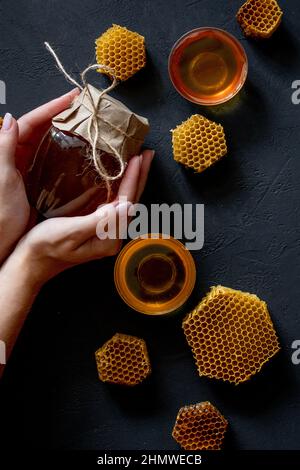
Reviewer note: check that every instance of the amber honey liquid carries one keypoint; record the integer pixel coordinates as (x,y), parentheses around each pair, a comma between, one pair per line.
(155,275)
(208,66)
(62,180)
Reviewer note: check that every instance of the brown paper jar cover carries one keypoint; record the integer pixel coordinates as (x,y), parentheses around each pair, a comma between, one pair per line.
(62,181)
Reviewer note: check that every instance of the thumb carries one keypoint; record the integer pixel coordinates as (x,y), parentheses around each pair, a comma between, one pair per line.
(8,140)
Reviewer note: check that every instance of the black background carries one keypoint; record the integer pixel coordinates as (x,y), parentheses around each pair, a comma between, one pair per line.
(51,396)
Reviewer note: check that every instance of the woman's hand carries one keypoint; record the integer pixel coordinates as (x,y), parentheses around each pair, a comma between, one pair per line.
(60,243)
(57,244)
(14,206)
(18,144)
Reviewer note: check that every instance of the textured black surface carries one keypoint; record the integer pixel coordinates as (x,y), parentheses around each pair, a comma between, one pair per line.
(51,396)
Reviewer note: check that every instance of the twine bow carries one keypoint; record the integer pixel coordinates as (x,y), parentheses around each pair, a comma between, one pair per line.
(93,127)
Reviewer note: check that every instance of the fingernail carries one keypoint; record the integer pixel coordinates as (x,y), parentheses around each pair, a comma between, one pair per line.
(138,158)
(7,122)
(70,94)
(75,91)
(151,154)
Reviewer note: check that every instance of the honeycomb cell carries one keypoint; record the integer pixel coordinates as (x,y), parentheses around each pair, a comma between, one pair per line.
(200,427)
(122,50)
(231,335)
(198,143)
(123,360)
(259,18)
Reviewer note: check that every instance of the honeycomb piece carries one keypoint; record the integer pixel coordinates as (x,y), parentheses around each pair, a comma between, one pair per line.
(198,142)
(200,427)
(1,122)
(259,18)
(231,335)
(123,360)
(122,50)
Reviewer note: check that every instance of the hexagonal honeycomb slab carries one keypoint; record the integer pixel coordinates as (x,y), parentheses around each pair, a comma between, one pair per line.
(123,360)
(200,427)
(259,18)
(122,50)
(198,143)
(231,335)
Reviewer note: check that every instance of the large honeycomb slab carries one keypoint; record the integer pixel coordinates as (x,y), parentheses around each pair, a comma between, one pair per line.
(259,18)
(123,360)
(122,50)
(231,335)
(198,143)
(200,427)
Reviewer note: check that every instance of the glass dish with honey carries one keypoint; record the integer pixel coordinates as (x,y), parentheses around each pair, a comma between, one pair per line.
(208,66)
(155,275)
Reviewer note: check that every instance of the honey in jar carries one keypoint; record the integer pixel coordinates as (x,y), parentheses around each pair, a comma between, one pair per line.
(155,275)
(208,66)
(62,181)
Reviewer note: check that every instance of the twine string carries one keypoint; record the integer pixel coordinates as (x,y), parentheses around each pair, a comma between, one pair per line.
(61,67)
(93,126)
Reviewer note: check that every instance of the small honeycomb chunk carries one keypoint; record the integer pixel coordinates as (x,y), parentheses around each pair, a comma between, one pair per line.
(200,427)
(231,335)
(198,142)
(123,360)
(122,50)
(1,122)
(259,18)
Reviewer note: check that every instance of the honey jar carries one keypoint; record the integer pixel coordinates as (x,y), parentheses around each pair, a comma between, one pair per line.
(63,179)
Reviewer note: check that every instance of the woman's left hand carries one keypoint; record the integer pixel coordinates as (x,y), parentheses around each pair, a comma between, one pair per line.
(18,144)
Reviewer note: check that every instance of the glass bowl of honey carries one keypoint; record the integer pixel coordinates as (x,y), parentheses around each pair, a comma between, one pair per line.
(208,66)
(155,275)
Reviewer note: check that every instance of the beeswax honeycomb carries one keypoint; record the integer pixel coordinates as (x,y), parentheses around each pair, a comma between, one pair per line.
(122,50)
(231,335)
(123,360)
(200,427)
(259,18)
(198,142)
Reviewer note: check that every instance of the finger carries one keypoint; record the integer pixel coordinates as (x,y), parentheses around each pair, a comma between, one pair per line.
(42,115)
(100,246)
(129,185)
(114,223)
(96,249)
(76,205)
(8,140)
(84,227)
(147,157)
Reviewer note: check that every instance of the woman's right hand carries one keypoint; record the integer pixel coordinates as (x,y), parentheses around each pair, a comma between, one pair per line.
(60,243)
